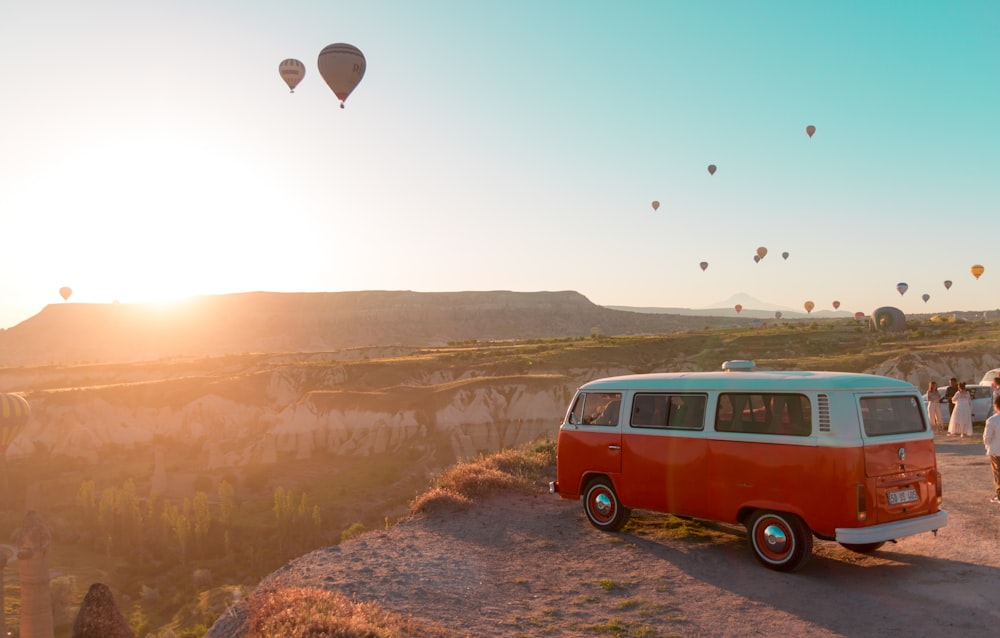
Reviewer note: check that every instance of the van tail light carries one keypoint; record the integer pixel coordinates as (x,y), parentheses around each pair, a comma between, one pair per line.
(862,504)
(937,486)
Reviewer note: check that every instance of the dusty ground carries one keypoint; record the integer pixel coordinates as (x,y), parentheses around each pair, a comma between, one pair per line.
(533,566)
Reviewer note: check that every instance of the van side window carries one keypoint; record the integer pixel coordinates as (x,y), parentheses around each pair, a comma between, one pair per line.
(892,415)
(787,414)
(672,411)
(597,408)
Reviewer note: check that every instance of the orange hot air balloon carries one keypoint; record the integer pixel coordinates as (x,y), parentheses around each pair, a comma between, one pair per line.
(809,306)
(65,292)
(739,308)
(836,304)
(342,67)
(859,315)
(656,205)
(977,270)
(947,284)
(14,413)
(762,252)
(711,169)
(810,130)
(703,265)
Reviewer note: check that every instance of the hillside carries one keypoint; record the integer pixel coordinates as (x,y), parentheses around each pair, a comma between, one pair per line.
(359,431)
(315,322)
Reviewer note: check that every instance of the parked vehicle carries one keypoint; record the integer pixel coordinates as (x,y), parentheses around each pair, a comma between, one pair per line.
(790,455)
(982,402)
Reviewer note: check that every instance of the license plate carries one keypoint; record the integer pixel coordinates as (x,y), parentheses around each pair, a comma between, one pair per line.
(898,497)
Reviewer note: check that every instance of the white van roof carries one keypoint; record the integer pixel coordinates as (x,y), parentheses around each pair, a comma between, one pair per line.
(773,381)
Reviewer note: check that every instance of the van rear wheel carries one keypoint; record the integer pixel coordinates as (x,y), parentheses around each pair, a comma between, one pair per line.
(863,548)
(601,504)
(780,541)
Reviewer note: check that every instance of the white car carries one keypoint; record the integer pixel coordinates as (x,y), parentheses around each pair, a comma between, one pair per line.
(982,400)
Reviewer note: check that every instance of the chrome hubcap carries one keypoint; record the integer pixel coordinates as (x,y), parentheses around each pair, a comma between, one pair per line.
(776,539)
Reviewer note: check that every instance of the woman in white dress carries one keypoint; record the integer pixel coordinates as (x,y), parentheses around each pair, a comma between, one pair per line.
(933,398)
(961,417)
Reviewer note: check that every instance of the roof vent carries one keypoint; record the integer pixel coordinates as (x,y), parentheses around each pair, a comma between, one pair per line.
(738,365)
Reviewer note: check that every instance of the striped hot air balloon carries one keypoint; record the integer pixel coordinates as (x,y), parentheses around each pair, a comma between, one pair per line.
(292,71)
(14,413)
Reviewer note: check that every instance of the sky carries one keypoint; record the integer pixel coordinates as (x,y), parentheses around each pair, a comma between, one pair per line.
(150,151)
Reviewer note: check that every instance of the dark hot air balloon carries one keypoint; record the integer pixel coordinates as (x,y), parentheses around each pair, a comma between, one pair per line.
(810,130)
(836,304)
(739,308)
(947,284)
(711,169)
(656,205)
(925,297)
(784,255)
(703,265)
(342,67)
(902,287)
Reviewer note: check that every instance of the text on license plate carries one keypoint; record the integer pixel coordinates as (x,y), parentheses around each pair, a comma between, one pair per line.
(898,497)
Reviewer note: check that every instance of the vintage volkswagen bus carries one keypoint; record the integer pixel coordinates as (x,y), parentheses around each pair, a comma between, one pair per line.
(790,455)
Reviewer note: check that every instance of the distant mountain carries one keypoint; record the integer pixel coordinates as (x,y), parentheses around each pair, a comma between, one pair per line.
(752,308)
(318,322)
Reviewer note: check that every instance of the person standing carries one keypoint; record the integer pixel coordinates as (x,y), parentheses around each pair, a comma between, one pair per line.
(960,422)
(949,393)
(995,387)
(934,407)
(991,439)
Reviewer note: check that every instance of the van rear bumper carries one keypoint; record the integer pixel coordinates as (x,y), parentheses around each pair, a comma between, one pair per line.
(890,531)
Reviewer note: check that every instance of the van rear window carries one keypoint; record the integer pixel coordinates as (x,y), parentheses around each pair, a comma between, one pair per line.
(788,414)
(671,411)
(892,415)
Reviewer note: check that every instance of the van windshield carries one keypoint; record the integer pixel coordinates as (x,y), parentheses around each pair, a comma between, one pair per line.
(892,415)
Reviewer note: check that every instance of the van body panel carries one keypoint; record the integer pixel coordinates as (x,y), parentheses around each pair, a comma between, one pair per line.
(851,455)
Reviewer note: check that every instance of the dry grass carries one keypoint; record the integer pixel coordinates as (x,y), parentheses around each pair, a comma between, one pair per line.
(301,612)
(523,469)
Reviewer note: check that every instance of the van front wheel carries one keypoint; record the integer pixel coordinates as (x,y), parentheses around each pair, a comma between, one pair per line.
(780,541)
(601,504)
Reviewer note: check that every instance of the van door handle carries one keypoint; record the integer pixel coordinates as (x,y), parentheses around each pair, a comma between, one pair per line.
(614,447)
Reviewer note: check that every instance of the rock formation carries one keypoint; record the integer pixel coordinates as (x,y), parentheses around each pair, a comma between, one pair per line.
(99,616)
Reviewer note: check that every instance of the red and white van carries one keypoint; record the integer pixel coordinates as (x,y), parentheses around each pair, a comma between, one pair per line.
(790,455)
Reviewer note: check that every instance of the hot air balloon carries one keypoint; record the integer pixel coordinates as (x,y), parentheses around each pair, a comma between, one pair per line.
(902,287)
(947,284)
(291,71)
(925,297)
(711,169)
(65,292)
(703,265)
(976,271)
(777,314)
(809,306)
(784,255)
(342,67)
(836,304)
(762,252)
(810,130)
(756,259)
(739,308)
(859,315)
(14,413)
(656,205)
